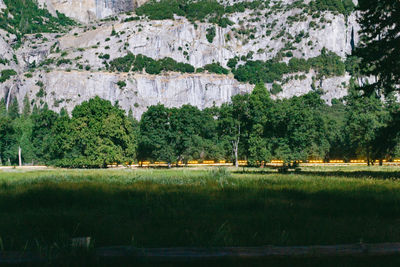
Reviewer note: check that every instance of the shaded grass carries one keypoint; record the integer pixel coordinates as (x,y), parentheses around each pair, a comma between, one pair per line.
(207,207)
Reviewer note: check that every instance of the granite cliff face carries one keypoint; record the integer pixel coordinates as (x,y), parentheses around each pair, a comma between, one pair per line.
(63,70)
(67,89)
(89,10)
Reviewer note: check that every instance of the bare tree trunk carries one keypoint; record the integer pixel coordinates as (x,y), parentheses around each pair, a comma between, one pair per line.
(236,146)
(19,156)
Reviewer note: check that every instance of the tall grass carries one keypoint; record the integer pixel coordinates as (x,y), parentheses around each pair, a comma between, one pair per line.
(202,207)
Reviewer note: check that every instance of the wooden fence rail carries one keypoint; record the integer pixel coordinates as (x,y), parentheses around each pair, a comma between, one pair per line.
(187,254)
(223,253)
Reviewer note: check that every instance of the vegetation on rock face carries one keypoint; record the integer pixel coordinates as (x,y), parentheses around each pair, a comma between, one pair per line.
(341,6)
(139,62)
(201,10)
(210,34)
(276,89)
(328,64)
(216,68)
(214,12)
(25,17)
(121,84)
(6,74)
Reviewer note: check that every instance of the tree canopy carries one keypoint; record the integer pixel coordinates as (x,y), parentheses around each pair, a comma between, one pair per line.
(252,127)
(379,44)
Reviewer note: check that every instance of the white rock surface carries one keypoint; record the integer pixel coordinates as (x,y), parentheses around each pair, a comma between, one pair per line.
(87,10)
(2,5)
(179,39)
(173,89)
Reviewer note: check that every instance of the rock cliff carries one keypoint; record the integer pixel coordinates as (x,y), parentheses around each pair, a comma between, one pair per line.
(89,10)
(66,89)
(65,69)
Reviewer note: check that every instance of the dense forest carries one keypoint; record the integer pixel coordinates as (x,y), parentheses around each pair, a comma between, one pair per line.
(253,127)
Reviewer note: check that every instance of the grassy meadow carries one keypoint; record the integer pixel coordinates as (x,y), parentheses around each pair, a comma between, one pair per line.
(199,207)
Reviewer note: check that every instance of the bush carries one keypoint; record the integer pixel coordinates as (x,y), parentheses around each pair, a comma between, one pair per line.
(40,93)
(131,62)
(344,7)
(216,68)
(210,34)
(328,64)
(121,84)
(199,10)
(7,74)
(276,89)
(63,61)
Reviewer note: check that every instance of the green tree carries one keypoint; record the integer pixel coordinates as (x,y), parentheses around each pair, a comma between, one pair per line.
(13,109)
(213,146)
(335,120)
(299,129)
(232,124)
(43,120)
(62,139)
(156,139)
(366,116)
(379,43)
(186,132)
(101,134)
(387,139)
(261,106)
(23,126)
(6,136)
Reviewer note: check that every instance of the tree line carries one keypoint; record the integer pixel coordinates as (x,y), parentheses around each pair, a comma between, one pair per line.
(252,127)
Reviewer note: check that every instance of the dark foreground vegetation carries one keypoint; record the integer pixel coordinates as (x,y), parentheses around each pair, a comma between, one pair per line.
(43,210)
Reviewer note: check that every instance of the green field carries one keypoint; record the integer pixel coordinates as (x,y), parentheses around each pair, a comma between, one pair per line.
(199,207)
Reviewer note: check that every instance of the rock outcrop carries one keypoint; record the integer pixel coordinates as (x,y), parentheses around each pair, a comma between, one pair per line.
(66,89)
(70,68)
(88,10)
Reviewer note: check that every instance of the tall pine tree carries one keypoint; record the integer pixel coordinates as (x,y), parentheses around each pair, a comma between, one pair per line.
(379,44)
